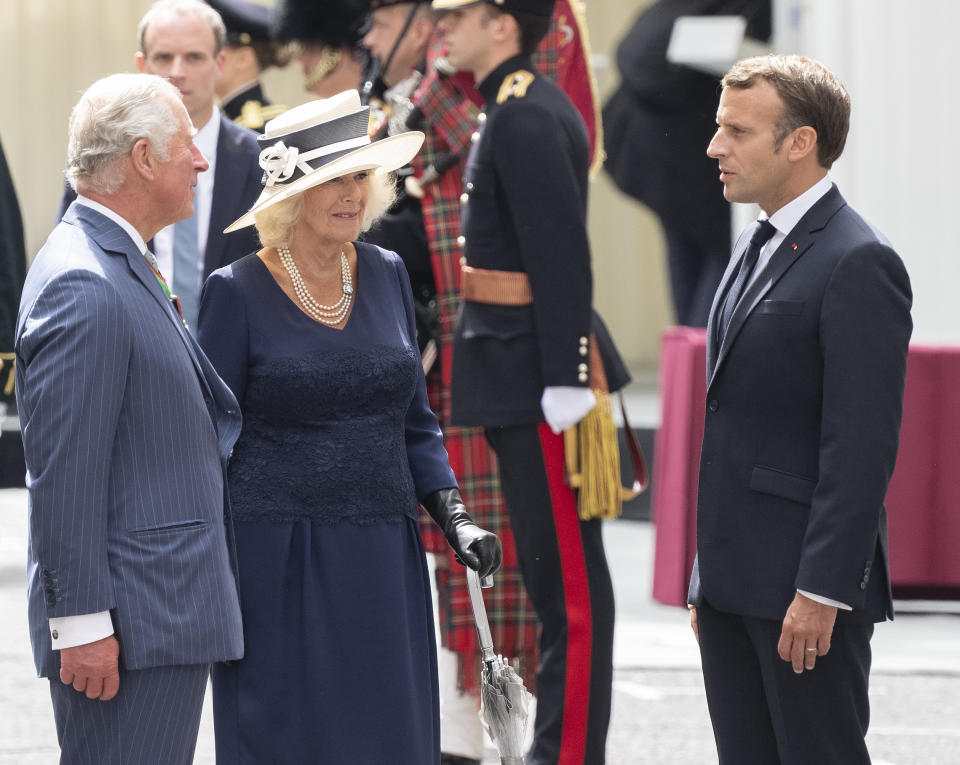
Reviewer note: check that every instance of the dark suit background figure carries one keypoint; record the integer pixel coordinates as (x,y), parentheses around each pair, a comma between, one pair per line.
(656,125)
(803,407)
(236,186)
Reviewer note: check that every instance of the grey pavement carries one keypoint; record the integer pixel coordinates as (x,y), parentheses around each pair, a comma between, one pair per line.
(659,715)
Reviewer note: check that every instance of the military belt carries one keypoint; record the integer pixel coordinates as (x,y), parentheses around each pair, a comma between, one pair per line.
(485,285)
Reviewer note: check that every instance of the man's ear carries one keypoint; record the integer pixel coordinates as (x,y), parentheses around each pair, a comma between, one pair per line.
(803,140)
(143,160)
(141,61)
(506,28)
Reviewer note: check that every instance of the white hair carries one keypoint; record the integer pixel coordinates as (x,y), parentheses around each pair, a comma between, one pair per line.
(183,8)
(111,116)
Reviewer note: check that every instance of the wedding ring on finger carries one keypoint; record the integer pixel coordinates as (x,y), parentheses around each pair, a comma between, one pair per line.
(811,649)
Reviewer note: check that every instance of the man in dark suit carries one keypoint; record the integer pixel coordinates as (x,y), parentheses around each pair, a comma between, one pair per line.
(523,352)
(655,126)
(182,41)
(126,433)
(806,358)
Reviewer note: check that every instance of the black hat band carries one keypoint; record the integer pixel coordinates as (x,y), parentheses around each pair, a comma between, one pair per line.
(288,157)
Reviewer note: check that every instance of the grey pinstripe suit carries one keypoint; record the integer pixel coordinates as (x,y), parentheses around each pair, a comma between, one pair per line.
(126,429)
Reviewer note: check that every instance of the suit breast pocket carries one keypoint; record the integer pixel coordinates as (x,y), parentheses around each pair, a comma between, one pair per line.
(780,308)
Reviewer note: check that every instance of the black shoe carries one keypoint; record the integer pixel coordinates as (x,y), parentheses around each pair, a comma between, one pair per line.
(454,759)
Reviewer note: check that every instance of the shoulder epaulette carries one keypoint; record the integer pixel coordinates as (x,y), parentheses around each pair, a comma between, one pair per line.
(515,85)
(254,115)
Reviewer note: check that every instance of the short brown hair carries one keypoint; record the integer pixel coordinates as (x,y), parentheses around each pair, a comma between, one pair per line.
(811,94)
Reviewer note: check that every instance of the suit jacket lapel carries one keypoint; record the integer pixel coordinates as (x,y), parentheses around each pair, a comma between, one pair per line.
(797,241)
(228,188)
(714,315)
(112,238)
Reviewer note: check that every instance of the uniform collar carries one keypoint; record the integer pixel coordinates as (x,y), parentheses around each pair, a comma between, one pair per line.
(491,83)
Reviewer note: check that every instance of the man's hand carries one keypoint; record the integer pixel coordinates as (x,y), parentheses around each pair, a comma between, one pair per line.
(693,623)
(807,628)
(92,668)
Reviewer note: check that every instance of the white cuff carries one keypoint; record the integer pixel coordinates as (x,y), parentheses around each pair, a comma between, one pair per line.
(826,601)
(564,406)
(69,631)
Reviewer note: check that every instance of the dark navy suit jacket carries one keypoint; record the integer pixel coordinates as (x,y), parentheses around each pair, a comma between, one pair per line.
(126,432)
(802,423)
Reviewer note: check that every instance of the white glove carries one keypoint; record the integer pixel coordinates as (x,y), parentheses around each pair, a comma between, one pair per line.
(564,406)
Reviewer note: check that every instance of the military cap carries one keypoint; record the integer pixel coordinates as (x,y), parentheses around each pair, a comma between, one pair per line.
(246,22)
(543,8)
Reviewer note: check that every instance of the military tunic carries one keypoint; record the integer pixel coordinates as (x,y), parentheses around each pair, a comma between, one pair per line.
(524,210)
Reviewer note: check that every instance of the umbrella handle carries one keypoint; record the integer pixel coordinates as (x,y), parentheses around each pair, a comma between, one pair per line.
(480,615)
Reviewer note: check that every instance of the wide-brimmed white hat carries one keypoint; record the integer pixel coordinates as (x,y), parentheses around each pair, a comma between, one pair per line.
(320,140)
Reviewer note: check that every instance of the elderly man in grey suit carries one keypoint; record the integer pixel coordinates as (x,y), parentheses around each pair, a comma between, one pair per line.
(126,433)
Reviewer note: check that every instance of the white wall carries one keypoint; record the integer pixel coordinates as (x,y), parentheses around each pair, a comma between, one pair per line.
(900,165)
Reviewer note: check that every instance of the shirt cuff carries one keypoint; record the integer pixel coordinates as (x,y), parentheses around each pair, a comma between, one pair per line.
(826,601)
(70,631)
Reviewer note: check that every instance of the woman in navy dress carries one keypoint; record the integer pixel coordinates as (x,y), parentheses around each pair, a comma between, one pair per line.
(315,334)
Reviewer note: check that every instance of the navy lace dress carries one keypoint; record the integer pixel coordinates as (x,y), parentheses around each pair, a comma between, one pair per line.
(338,445)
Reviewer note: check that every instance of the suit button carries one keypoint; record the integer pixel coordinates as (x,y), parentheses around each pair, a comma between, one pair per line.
(863,584)
(714,405)
(55,635)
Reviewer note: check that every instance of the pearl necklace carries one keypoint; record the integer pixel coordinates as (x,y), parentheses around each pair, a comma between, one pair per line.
(331,315)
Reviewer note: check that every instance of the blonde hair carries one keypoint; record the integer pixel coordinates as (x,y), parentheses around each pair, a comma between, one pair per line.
(275,223)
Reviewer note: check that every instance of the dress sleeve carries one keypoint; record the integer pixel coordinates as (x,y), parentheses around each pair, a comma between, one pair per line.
(429,463)
(223,331)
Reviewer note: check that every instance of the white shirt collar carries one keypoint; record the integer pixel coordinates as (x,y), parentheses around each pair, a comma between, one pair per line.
(790,214)
(119,220)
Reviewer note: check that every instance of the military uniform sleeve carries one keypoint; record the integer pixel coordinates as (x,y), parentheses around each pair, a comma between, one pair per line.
(541,189)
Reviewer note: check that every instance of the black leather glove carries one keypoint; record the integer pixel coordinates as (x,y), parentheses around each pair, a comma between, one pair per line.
(475,548)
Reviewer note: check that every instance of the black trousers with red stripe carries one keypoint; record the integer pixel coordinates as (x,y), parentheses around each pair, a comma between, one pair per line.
(565,572)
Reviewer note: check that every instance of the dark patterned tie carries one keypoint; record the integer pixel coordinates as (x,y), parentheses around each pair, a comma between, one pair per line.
(761,235)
